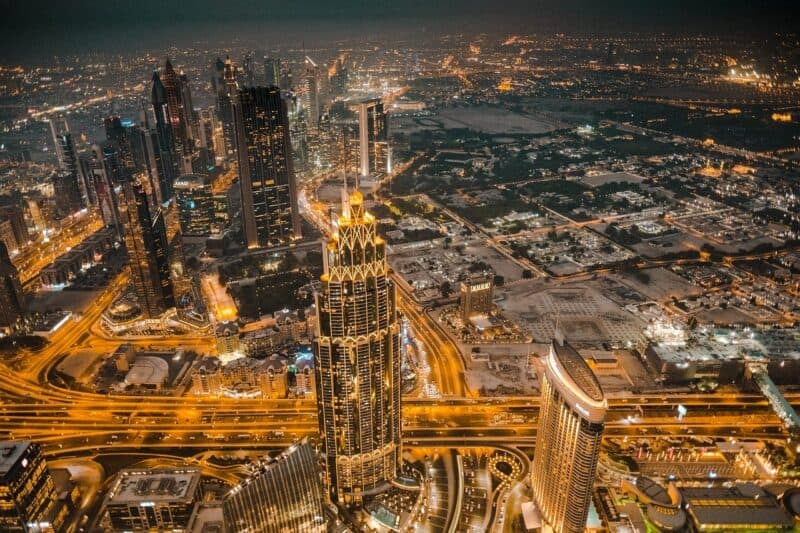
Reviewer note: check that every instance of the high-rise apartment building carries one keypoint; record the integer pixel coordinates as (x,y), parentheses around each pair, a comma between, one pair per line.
(101,188)
(178,100)
(67,192)
(272,72)
(311,102)
(146,240)
(28,498)
(152,500)
(196,205)
(358,359)
(373,144)
(118,137)
(165,137)
(284,494)
(12,299)
(226,88)
(571,421)
(266,172)
(476,297)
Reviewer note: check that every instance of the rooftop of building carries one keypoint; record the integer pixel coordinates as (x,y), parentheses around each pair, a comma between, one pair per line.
(718,344)
(578,370)
(10,453)
(746,504)
(144,486)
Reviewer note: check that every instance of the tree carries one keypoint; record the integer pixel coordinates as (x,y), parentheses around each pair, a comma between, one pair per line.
(446,289)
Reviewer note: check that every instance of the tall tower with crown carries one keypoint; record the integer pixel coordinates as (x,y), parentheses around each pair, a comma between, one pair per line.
(357,352)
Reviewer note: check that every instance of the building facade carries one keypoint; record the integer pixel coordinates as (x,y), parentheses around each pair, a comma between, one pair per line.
(266,173)
(571,421)
(12,299)
(476,297)
(284,494)
(374,157)
(152,500)
(196,205)
(146,240)
(358,355)
(28,498)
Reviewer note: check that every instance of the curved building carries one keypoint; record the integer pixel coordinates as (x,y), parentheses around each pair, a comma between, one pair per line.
(571,421)
(358,359)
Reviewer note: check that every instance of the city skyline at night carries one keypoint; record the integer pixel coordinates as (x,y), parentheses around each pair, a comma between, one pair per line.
(521,266)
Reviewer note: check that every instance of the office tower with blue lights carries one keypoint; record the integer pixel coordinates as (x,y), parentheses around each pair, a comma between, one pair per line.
(357,352)
(145,237)
(571,422)
(266,172)
(283,494)
(196,205)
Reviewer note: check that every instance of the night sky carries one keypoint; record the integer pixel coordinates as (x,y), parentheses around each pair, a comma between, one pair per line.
(30,27)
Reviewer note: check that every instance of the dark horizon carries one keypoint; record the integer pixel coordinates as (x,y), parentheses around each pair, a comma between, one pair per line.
(39,29)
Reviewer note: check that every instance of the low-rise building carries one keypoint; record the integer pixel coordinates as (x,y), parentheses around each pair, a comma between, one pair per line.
(152,500)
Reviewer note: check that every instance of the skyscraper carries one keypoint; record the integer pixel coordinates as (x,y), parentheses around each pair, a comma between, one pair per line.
(311,92)
(146,240)
(195,197)
(68,158)
(272,72)
(165,137)
(28,498)
(12,299)
(101,189)
(266,173)
(67,192)
(475,297)
(357,352)
(118,137)
(374,149)
(179,113)
(571,421)
(225,85)
(284,494)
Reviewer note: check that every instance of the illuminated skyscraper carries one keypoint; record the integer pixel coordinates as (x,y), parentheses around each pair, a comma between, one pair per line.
(67,192)
(146,240)
(165,137)
(178,105)
(28,498)
(101,189)
(311,92)
(571,421)
(373,145)
(196,205)
(475,297)
(119,138)
(12,299)
(68,158)
(284,494)
(224,83)
(357,352)
(266,172)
